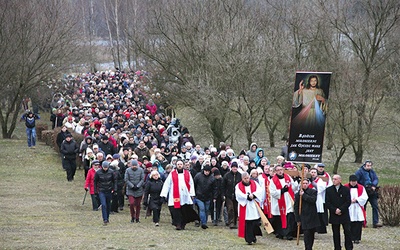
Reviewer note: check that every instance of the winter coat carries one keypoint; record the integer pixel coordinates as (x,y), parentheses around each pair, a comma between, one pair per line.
(257,159)
(218,184)
(367,178)
(140,152)
(119,172)
(89,183)
(104,181)
(152,192)
(69,149)
(308,209)
(107,148)
(134,180)
(252,154)
(205,187)
(338,199)
(61,137)
(229,183)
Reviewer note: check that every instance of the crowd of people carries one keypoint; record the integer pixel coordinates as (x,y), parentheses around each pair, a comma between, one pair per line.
(132,150)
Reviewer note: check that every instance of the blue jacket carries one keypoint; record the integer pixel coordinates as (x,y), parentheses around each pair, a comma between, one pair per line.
(367,178)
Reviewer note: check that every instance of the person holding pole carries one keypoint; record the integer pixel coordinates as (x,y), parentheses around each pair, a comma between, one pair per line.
(305,212)
(89,185)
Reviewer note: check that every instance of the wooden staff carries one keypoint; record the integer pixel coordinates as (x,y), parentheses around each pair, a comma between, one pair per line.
(300,202)
(267,225)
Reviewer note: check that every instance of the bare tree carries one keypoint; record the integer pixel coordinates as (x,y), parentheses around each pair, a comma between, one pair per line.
(206,51)
(34,48)
(366,26)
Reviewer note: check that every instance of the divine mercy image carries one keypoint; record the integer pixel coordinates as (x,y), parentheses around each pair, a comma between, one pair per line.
(309,108)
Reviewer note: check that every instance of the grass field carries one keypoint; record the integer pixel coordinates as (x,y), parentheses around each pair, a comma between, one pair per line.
(41,210)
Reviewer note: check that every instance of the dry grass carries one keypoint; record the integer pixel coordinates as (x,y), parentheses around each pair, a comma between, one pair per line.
(41,210)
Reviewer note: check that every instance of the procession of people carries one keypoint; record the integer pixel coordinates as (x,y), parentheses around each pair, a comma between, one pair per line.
(133,149)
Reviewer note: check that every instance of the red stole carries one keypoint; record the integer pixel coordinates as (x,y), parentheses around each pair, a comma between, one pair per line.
(242,209)
(360,191)
(175,181)
(267,200)
(281,201)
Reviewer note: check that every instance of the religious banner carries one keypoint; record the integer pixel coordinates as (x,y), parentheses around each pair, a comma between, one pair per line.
(307,122)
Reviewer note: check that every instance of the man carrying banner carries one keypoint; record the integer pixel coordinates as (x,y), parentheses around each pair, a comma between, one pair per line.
(282,189)
(247,193)
(356,210)
(179,188)
(307,217)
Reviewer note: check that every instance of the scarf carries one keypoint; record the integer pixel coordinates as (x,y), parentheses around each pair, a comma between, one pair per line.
(359,191)
(267,200)
(282,201)
(242,209)
(175,181)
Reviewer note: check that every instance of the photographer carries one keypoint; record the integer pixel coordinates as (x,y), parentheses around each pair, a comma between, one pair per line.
(367,177)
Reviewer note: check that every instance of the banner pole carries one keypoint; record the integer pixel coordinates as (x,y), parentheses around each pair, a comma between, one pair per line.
(300,202)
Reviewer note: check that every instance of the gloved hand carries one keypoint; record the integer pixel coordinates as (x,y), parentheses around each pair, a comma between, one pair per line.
(248,198)
(284,189)
(87,189)
(115,193)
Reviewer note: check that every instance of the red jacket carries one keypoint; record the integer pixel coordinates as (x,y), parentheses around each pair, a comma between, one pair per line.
(152,109)
(89,183)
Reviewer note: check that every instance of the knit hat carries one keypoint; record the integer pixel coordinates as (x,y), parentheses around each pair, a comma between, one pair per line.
(134,163)
(105,164)
(68,135)
(207,168)
(88,150)
(234,164)
(216,172)
(116,156)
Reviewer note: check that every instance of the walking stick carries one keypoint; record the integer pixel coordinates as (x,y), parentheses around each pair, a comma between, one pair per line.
(84,198)
(300,203)
(215,211)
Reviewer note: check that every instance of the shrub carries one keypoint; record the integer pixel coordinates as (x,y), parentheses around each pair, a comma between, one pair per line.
(39,129)
(47,137)
(389,205)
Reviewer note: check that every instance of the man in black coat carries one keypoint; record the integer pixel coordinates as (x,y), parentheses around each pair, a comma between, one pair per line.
(206,190)
(69,149)
(106,146)
(104,185)
(228,190)
(338,200)
(306,219)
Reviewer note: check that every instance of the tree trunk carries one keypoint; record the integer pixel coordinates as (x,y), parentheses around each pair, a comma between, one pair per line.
(336,165)
(271,138)
(217,129)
